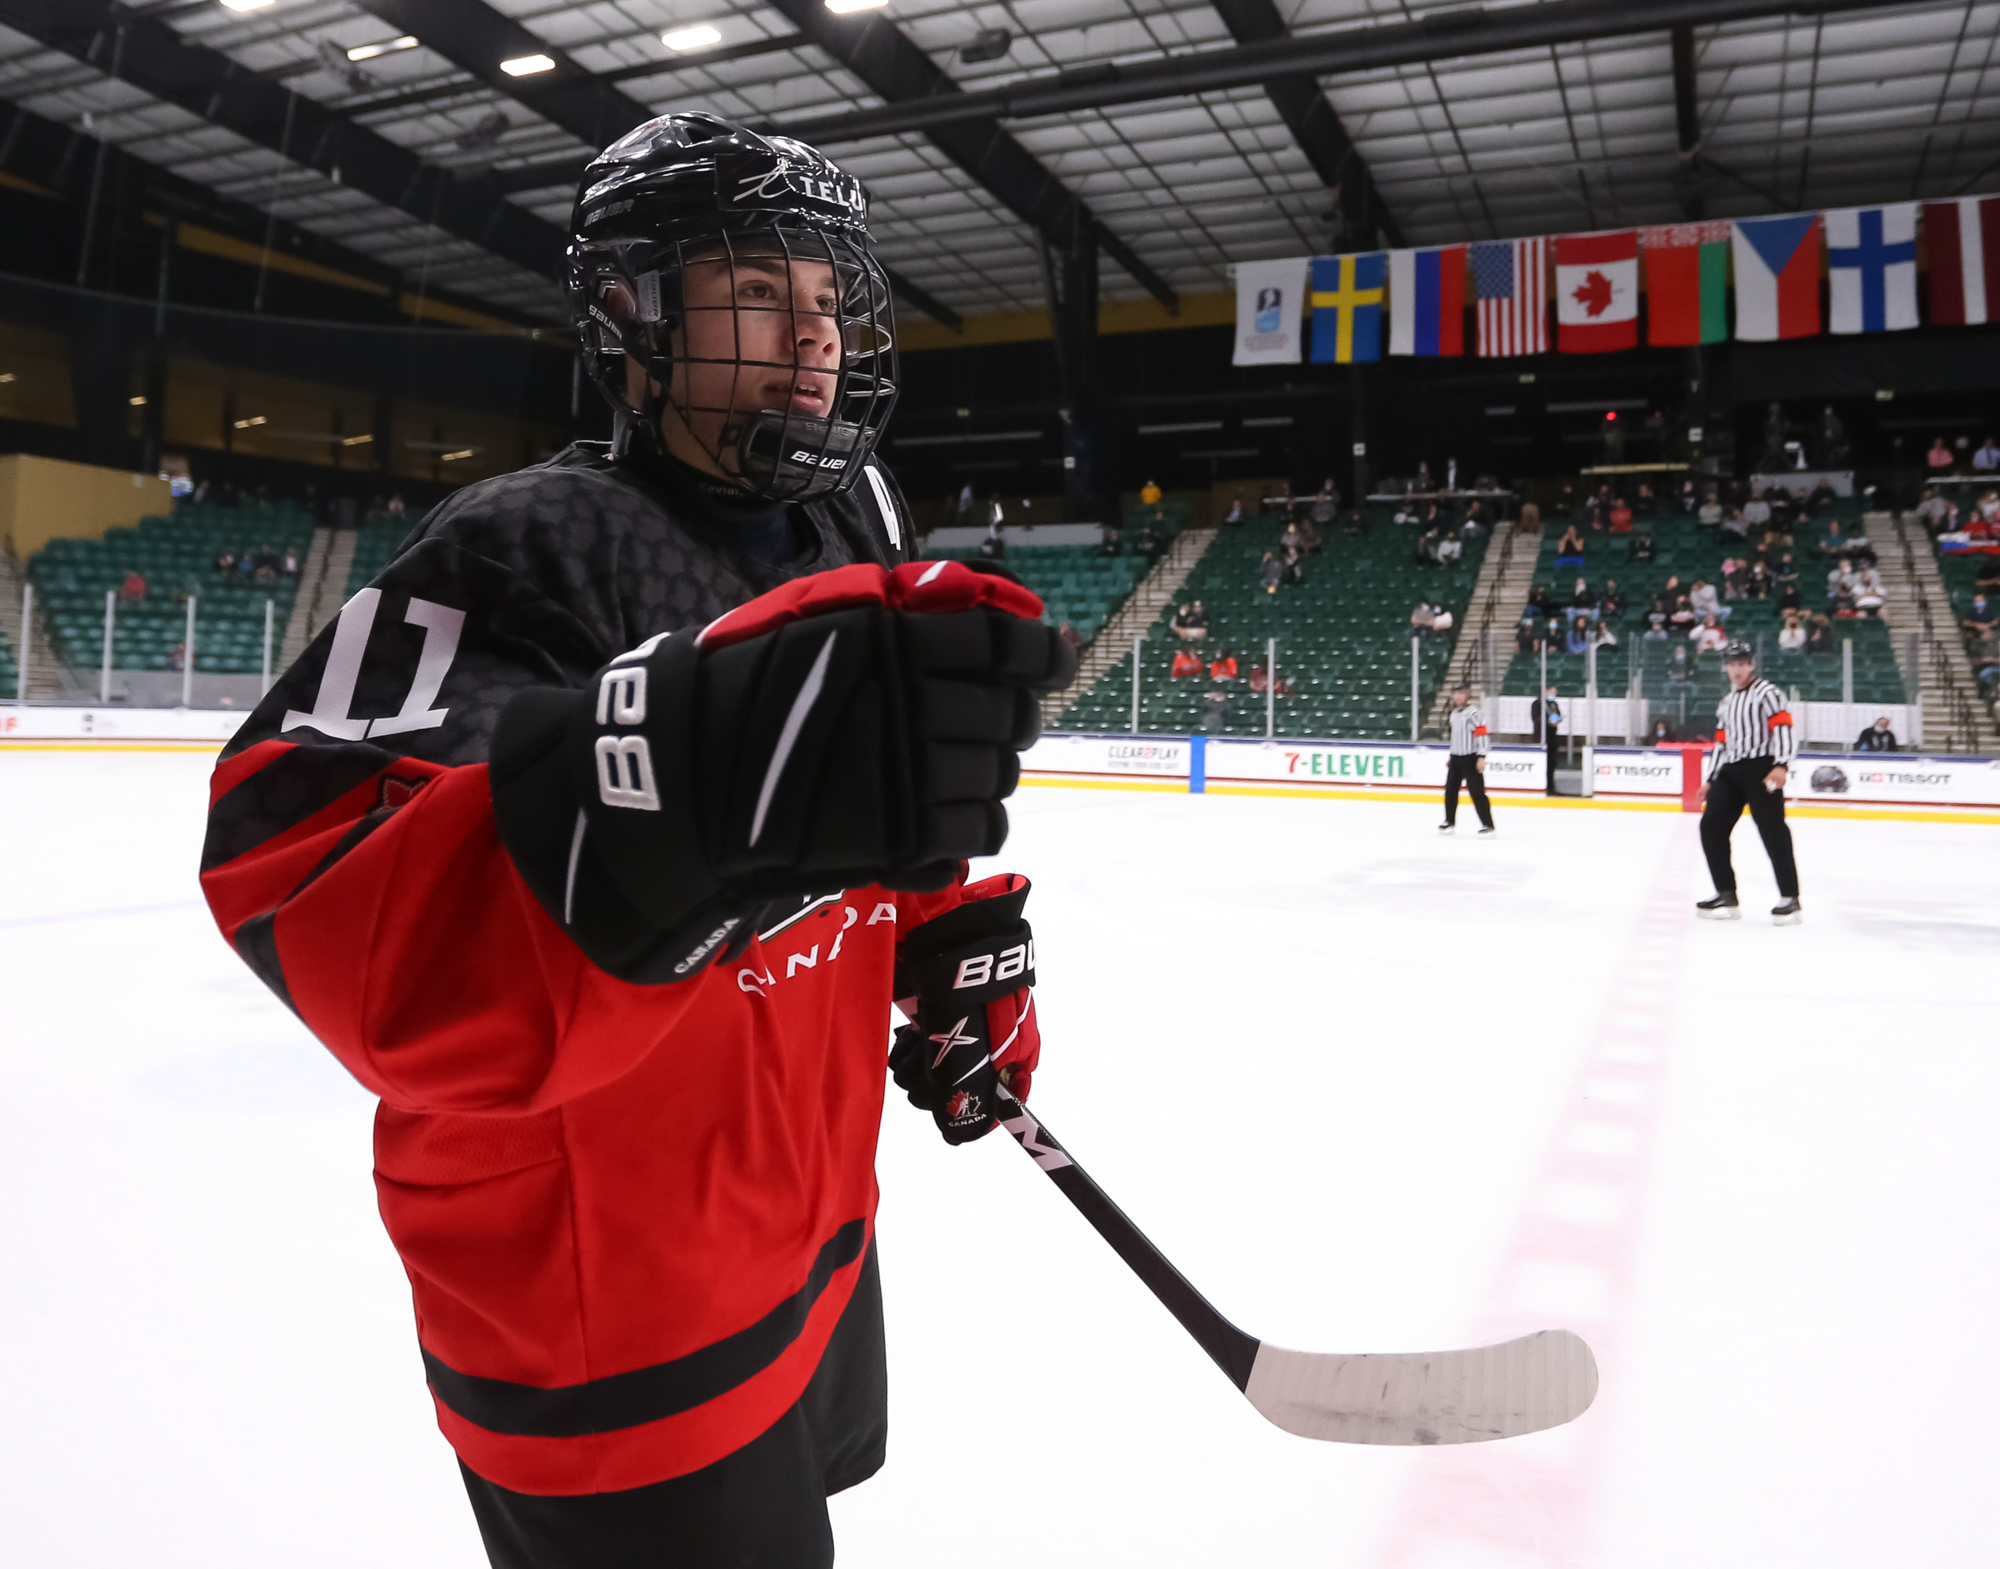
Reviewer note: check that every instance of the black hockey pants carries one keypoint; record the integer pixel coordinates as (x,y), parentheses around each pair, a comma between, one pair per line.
(763,1507)
(1464,769)
(1735,786)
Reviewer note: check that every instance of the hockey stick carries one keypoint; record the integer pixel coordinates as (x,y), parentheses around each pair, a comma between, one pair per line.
(1415,1397)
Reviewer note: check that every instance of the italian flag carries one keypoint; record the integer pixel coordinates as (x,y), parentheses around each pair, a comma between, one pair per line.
(1687,282)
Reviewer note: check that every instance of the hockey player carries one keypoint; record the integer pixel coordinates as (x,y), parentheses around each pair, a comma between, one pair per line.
(1754,743)
(596,836)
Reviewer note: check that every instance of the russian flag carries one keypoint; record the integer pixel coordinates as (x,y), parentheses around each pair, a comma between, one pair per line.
(1427,301)
(1777,277)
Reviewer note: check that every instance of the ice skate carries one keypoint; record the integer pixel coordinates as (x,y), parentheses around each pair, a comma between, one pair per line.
(1446,828)
(1786,914)
(1489,829)
(1722,907)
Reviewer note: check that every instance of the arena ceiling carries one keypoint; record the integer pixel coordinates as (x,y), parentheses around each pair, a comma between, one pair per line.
(1190,134)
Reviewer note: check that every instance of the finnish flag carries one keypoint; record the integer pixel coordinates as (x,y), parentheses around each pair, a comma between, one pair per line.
(1871,259)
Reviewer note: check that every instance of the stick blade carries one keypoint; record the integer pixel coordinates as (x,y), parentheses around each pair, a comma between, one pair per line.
(1427,1397)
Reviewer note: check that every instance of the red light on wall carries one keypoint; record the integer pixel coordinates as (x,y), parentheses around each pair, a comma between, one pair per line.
(1611,414)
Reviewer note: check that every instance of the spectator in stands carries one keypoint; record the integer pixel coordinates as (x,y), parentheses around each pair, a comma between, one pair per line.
(1528,635)
(1662,734)
(1733,576)
(1757,510)
(1222,667)
(177,657)
(1426,553)
(267,564)
(1735,527)
(1819,634)
(1581,597)
(1792,636)
(1538,602)
(1270,572)
(1149,544)
(225,562)
(1295,566)
(1987,578)
(1109,545)
(1569,549)
(1602,636)
(1451,550)
(133,590)
(1644,503)
(1476,522)
(1979,620)
(1936,512)
(1821,499)
(1191,621)
(1757,583)
(1621,517)
(1656,627)
(1868,591)
(1291,536)
(1611,602)
(1069,634)
(1324,506)
(993,547)
(1681,616)
(1149,494)
(246,565)
(1709,637)
(1215,712)
(1260,681)
(1878,737)
(1835,543)
(1311,540)
(1710,515)
(1841,586)
(1422,619)
(1939,458)
(1597,511)
(1578,641)
(1186,663)
(1642,547)
(965,502)
(1680,663)
(1987,459)
(396,505)
(290,566)
(1704,602)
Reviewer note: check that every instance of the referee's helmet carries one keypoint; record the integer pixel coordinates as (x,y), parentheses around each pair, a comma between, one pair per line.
(1738,652)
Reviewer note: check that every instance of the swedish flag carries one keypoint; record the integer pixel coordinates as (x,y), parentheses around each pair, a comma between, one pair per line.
(1347,295)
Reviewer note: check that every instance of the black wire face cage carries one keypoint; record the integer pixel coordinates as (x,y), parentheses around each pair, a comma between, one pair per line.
(773,349)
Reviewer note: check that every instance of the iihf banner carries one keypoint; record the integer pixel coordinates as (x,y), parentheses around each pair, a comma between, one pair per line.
(1270,302)
(1871,268)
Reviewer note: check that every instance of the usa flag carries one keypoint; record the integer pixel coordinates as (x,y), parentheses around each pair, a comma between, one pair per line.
(1510,279)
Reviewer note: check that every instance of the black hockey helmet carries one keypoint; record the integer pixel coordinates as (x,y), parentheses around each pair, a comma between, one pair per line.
(1738,652)
(786,394)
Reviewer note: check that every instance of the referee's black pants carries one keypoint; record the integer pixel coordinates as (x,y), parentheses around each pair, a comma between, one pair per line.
(1464,769)
(763,1507)
(1735,786)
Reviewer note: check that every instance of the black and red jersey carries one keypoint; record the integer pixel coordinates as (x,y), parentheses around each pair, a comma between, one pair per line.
(630,1214)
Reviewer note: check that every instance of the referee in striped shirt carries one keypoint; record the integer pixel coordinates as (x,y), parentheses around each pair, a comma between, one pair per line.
(1754,743)
(1469,746)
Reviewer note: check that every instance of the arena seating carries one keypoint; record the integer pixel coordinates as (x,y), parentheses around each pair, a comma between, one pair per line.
(1691,552)
(1076,583)
(1343,637)
(10,672)
(176,556)
(375,545)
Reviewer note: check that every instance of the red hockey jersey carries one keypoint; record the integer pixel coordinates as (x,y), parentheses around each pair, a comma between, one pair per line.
(630,1214)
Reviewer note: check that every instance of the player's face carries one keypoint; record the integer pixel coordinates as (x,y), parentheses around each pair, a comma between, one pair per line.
(759,330)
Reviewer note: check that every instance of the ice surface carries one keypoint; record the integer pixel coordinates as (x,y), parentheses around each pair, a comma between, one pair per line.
(1370,1089)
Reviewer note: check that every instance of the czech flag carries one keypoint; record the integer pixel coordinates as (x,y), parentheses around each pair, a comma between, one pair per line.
(1347,307)
(1427,301)
(1777,277)
(1963,240)
(1597,291)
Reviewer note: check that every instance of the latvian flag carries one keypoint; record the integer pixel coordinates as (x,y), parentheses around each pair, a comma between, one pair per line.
(1687,282)
(1427,301)
(1777,277)
(1597,291)
(1871,268)
(1963,239)
(1510,280)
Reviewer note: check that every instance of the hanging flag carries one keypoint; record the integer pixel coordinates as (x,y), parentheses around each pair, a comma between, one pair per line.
(1510,280)
(1347,307)
(1777,277)
(1427,301)
(1871,260)
(1597,291)
(1687,282)
(1270,299)
(1963,241)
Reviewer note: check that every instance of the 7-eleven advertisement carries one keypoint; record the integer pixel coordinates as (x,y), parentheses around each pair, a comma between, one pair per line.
(1340,765)
(1597,291)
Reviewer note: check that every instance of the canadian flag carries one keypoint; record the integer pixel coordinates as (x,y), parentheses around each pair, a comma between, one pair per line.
(1597,291)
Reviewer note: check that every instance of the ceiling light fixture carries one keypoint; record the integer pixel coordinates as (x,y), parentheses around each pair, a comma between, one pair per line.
(843,7)
(453,457)
(253,420)
(5,377)
(686,38)
(356,441)
(138,402)
(371,51)
(528,65)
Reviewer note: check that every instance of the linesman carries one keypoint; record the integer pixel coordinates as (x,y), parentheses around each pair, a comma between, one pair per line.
(1469,746)
(1754,741)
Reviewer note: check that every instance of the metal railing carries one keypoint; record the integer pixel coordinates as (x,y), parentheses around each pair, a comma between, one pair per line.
(1963,729)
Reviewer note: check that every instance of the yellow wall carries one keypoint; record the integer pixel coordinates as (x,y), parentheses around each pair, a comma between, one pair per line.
(34,376)
(43,499)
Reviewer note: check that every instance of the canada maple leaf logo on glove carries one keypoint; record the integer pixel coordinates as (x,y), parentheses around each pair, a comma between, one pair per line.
(1594,293)
(961,1105)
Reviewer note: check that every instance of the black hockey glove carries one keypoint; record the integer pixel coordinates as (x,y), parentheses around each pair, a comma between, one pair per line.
(858,726)
(972,973)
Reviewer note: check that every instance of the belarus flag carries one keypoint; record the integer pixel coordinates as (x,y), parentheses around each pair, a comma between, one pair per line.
(1777,277)
(1963,239)
(1687,282)
(1427,301)
(1597,291)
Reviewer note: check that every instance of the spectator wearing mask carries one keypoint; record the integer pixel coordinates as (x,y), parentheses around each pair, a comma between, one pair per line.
(1987,459)
(1186,663)
(1878,737)
(1939,459)
(1190,622)
(1979,619)
(1222,667)
(1581,598)
(1294,565)
(1661,734)
(1758,584)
